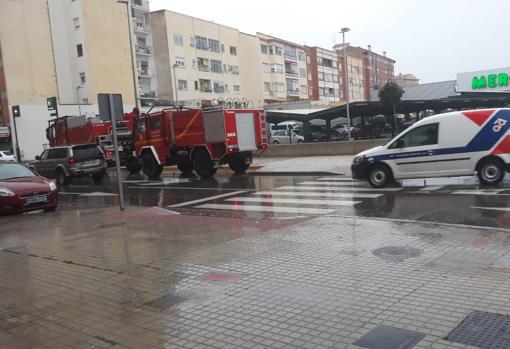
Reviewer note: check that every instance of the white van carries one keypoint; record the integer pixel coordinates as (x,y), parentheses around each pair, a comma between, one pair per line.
(446,145)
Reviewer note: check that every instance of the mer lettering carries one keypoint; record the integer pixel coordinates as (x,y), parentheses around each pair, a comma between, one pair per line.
(490,81)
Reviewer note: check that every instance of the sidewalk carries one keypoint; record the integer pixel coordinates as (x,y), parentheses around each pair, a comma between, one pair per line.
(148,278)
(340,164)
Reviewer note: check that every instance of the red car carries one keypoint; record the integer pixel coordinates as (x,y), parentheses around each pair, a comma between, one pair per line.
(21,190)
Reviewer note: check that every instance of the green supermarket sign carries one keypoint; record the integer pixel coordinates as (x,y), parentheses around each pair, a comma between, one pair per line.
(489,81)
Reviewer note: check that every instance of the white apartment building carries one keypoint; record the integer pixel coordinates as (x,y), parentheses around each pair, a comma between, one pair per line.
(198,62)
(71,49)
(284,72)
(144,50)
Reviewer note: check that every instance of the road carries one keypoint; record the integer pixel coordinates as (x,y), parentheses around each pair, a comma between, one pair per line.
(447,201)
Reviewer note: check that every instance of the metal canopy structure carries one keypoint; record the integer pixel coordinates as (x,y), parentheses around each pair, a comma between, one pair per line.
(369,109)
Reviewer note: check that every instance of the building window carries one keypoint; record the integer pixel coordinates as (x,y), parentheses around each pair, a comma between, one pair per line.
(218,87)
(301,56)
(182,85)
(194,64)
(201,43)
(302,73)
(237,88)
(222,48)
(179,62)
(83,79)
(196,85)
(275,50)
(234,69)
(215,66)
(79,50)
(178,40)
(205,85)
(233,50)
(321,76)
(267,87)
(263,49)
(276,68)
(203,64)
(214,45)
(76,22)
(84,101)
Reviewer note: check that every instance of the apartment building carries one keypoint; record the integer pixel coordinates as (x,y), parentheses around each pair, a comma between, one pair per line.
(69,49)
(142,37)
(367,68)
(406,80)
(284,72)
(198,62)
(323,75)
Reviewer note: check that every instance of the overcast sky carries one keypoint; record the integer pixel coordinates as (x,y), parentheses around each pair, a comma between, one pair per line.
(433,39)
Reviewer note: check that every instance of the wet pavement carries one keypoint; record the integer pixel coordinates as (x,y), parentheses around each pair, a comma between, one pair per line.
(260,262)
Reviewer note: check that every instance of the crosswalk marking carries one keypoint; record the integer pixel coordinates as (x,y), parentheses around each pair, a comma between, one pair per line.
(492,208)
(272,209)
(432,188)
(339,179)
(340,184)
(319,194)
(337,188)
(296,201)
(479,192)
(209,198)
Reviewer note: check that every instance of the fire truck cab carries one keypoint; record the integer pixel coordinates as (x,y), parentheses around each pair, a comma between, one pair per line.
(199,139)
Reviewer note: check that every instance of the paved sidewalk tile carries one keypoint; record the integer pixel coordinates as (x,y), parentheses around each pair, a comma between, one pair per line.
(74,279)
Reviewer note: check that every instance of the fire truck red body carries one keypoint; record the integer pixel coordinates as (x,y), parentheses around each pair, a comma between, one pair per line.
(198,139)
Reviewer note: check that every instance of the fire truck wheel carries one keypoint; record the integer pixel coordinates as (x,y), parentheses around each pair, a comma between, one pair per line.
(203,164)
(150,166)
(133,168)
(185,165)
(62,179)
(238,164)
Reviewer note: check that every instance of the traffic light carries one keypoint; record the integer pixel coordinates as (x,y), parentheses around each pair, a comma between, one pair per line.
(51,103)
(15,111)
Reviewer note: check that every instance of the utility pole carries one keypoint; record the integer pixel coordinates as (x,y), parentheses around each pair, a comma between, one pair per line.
(175,84)
(16,113)
(346,82)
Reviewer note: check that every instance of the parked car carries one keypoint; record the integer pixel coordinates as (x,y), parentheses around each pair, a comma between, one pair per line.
(22,190)
(452,144)
(7,156)
(68,162)
(287,137)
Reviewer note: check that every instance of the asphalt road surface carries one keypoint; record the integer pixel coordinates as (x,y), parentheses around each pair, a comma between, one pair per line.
(447,201)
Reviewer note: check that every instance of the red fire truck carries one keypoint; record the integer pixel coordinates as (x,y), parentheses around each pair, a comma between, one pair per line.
(81,129)
(199,139)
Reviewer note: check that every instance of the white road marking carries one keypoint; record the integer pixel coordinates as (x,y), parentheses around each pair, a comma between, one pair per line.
(96,193)
(296,201)
(339,179)
(166,182)
(274,209)
(337,188)
(318,194)
(432,188)
(492,208)
(479,192)
(186,188)
(164,210)
(209,198)
(339,184)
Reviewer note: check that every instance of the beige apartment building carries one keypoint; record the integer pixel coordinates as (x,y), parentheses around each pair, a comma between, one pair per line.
(69,49)
(198,62)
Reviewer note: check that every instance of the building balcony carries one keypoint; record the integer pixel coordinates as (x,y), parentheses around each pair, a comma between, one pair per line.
(293,92)
(141,29)
(291,75)
(145,73)
(140,6)
(143,50)
(206,89)
(204,68)
(290,57)
(148,95)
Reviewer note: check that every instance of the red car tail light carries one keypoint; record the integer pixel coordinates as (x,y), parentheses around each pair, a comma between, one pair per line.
(71,160)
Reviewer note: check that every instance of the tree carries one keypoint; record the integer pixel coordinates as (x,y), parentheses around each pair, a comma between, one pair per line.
(390,95)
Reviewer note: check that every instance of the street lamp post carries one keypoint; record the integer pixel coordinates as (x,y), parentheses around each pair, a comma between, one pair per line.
(133,57)
(346,82)
(175,84)
(79,100)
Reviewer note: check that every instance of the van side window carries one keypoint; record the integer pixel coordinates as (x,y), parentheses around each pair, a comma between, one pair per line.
(420,136)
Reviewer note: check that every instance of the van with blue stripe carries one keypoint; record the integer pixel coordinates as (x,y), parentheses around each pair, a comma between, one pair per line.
(459,143)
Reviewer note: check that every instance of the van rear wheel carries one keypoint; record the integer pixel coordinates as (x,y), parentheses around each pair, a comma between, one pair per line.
(379,176)
(150,166)
(491,171)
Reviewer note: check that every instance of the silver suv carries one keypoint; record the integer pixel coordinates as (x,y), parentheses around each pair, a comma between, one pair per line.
(67,162)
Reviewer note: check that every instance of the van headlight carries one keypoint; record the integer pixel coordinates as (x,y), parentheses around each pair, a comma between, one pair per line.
(6,192)
(53,186)
(358,159)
